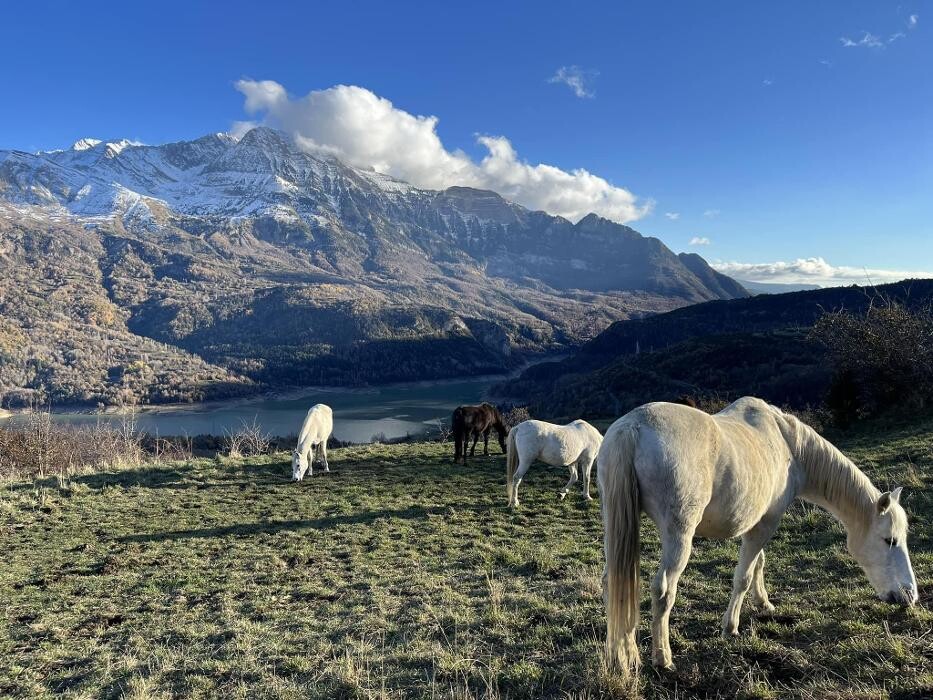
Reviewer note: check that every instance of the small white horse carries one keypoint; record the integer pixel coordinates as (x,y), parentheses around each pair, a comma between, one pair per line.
(573,445)
(318,425)
(729,475)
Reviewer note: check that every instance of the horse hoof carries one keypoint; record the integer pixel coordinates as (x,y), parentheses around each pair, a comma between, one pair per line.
(727,634)
(766,609)
(562,495)
(668,667)
(588,497)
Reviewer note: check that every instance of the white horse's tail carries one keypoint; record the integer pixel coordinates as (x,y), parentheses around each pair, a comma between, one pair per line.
(511,462)
(621,517)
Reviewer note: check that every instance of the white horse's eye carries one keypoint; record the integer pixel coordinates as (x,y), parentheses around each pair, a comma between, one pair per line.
(891,541)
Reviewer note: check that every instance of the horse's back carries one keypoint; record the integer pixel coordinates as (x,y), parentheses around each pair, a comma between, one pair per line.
(556,444)
(325,412)
(319,422)
(731,466)
(477,418)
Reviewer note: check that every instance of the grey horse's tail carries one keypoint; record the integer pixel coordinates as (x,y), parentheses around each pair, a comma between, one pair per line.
(511,462)
(621,505)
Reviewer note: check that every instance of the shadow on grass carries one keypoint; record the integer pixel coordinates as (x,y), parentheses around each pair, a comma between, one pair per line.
(176,476)
(246,529)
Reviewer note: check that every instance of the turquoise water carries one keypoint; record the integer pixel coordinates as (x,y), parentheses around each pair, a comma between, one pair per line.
(359,414)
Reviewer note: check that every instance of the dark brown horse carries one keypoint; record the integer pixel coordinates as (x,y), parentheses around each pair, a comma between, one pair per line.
(475,421)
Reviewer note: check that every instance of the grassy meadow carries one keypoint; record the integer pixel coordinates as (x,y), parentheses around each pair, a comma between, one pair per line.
(399,575)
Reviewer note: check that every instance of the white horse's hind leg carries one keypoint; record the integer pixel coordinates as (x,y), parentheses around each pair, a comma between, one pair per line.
(523,464)
(324,455)
(573,479)
(587,469)
(752,543)
(675,551)
(759,594)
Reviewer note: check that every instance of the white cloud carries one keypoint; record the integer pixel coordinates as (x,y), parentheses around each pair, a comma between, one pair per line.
(912,21)
(868,40)
(577,79)
(238,129)
(813,271)
(767,82)
(367,131)
(700,240)
(711,213)
(896,36)
(826,62)
(672,215)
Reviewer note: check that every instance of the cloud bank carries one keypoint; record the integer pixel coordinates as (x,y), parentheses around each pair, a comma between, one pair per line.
(365,130)
(813,271)
(700,240)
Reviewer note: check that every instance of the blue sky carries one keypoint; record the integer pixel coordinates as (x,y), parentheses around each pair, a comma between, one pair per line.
(755,123)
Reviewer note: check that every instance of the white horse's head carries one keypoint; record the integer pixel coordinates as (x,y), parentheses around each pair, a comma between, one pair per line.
(882,551)
(299,465)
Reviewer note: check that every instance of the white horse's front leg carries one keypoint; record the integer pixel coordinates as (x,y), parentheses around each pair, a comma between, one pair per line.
(311,461)
(759,594)
(675,551)
(752,543)
(573,479)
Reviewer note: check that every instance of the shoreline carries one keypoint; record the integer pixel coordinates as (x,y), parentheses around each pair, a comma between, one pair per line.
(273,394)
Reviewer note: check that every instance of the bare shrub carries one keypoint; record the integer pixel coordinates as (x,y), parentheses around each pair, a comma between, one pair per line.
(444,431)
(249,440)
(171,449)
(882,360)
(34,445)
(515,415)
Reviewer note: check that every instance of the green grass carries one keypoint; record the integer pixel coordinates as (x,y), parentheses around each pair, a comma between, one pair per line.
(399,575)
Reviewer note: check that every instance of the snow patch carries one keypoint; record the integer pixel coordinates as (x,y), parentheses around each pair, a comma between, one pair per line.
(85,144)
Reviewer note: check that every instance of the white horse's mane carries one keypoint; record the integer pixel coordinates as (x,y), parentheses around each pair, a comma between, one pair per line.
(831,476)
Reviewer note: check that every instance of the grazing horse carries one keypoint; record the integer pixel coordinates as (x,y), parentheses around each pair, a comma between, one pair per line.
(475,421)
(318,425)
(574,445)
(732,474)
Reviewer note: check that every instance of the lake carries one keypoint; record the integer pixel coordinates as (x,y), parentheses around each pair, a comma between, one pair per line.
(360,415)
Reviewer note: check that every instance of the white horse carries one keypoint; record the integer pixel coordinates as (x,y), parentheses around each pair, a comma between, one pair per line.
(574,445)
(729,475)
(318,425)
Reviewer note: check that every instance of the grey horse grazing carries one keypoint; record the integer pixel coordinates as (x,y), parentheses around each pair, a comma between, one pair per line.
(729,475)
(573,445)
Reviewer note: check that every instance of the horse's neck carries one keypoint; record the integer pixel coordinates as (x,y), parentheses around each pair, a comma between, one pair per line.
(831,480)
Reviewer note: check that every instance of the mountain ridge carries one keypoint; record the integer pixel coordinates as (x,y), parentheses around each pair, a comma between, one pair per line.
(344,267)
(725,348)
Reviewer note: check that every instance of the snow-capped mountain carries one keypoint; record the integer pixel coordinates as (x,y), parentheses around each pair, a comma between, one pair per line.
(200,239)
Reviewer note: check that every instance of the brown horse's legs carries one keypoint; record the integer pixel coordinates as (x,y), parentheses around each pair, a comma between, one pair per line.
(475,440)
(486,442)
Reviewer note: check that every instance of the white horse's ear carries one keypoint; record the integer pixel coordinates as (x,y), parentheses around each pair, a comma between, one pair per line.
(896,494)
(884,502)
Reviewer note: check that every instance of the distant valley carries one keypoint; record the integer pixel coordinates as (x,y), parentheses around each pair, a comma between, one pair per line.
(214,267)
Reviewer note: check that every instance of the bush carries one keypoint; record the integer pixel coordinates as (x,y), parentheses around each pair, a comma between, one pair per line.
(36,446)
(515,415)
(882,360)
(249,441)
